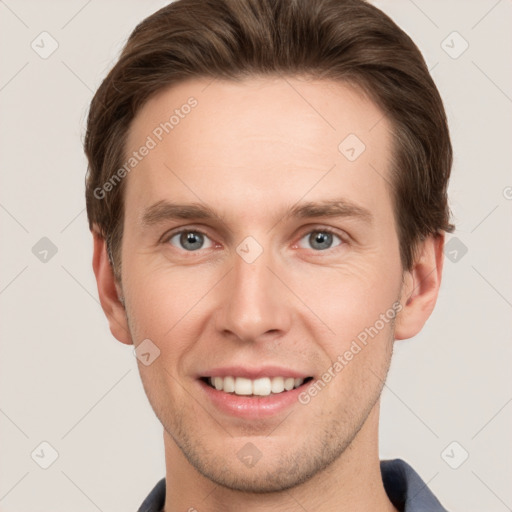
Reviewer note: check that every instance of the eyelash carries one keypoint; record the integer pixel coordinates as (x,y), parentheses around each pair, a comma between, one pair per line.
(166,238)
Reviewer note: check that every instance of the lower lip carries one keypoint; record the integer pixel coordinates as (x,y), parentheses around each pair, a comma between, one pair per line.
(250,407)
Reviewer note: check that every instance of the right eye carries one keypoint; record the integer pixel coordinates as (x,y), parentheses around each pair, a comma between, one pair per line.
(190,240)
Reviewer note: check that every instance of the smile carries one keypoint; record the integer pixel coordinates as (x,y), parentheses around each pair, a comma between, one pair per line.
(264,386)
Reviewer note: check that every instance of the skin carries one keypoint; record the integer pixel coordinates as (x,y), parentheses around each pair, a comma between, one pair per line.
(250,151)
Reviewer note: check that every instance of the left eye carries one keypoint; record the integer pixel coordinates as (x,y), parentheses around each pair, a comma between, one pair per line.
(320,240)
(190,240)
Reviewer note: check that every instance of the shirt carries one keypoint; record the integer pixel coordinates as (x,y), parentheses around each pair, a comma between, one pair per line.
(404,487)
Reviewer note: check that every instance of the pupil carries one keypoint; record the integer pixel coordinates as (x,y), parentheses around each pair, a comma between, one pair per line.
(321,240)
(191,241)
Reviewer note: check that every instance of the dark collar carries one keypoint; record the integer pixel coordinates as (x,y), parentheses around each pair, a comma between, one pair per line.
(403,485)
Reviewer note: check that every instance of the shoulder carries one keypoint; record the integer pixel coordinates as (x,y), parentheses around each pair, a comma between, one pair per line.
(405,488)
(155,500)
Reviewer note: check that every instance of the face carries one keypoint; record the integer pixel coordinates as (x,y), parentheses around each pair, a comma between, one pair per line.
(257,250)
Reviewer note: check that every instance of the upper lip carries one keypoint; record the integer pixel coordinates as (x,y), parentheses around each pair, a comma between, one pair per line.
(254,373)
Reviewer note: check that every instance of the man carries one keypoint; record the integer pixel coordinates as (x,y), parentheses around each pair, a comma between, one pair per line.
(267,194)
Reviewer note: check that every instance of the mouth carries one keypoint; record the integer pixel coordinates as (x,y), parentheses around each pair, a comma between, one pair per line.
(252,393)
(256,388)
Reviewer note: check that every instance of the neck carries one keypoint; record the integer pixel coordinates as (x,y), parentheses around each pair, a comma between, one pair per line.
(352,483)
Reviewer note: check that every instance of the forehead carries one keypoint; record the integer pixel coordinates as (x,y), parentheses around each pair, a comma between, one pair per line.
(258,142)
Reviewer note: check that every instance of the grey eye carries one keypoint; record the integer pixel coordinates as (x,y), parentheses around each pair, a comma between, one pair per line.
(320,240)
(190,240)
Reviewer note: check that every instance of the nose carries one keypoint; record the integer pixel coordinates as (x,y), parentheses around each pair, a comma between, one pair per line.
(255,303)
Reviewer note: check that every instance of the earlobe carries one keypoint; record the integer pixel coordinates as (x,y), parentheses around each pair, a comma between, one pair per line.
(109,291)
(420,288)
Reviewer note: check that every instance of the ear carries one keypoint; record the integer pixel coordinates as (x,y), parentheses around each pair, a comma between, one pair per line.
(109,291)
(420,288)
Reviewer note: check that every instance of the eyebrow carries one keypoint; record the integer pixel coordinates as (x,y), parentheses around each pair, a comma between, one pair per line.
(164,210)
(330,208)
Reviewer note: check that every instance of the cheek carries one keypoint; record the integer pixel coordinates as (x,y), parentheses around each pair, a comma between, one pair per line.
(165,302)
(348,299)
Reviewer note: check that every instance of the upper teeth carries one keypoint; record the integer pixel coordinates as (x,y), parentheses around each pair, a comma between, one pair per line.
(262,387)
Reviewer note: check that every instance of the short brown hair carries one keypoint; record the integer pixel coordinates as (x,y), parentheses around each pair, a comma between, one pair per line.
(345,40)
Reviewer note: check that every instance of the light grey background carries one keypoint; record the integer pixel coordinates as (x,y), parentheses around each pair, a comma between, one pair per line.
(64,380)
